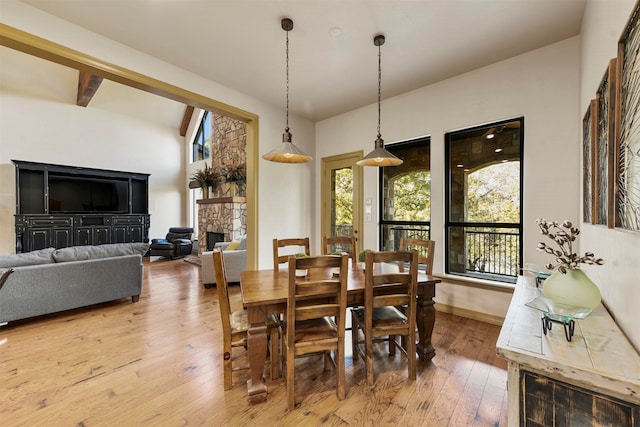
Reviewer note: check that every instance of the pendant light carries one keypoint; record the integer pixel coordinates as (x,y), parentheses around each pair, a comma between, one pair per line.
(287,153)
(379,156)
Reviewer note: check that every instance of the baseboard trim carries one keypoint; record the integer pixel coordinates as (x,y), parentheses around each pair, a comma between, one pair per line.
(470,314)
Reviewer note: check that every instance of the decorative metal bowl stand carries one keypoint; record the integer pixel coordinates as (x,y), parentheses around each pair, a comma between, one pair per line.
(553,312)
(569,324)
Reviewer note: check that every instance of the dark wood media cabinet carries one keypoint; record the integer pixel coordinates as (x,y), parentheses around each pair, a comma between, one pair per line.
(60,206)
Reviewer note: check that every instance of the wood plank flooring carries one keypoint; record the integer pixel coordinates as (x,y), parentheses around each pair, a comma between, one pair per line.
(154,363)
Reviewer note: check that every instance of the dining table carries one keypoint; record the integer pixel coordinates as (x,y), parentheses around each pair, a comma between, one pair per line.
(265,292)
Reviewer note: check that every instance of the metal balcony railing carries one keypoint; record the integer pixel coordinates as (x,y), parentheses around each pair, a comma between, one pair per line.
(493,252)
(342,230)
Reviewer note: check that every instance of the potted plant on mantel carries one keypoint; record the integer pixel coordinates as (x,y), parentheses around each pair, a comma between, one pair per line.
(203,179)
(236,175)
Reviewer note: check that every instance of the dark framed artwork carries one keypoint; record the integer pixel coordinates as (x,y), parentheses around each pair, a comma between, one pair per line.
(605,148)
(588,163)
(627,203)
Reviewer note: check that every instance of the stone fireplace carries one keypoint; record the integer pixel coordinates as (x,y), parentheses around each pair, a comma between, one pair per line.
(226,215)
(225,211)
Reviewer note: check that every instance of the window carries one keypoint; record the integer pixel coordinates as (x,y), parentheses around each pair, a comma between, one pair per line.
(405,194)
(483,224)
(201,146)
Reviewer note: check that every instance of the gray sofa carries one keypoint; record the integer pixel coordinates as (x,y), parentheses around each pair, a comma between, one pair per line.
(52,280)
(235,261)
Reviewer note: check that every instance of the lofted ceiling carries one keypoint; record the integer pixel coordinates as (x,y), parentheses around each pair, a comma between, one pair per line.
(333,61)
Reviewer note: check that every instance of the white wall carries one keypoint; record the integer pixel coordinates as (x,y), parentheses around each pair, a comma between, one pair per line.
(602,27)
(285,205)
(542,86)
(40,122)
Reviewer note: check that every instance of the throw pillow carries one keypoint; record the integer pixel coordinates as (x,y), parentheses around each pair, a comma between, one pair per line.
(243,243)
(233,245)
(43,256)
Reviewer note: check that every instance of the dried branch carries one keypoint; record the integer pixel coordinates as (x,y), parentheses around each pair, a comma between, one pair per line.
(563,235)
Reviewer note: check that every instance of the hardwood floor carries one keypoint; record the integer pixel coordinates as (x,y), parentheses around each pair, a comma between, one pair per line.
(153,363)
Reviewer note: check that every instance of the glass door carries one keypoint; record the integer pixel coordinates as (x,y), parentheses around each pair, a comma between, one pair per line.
(342,196)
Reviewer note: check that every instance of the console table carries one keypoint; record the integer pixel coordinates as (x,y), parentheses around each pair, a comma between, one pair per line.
(592,380)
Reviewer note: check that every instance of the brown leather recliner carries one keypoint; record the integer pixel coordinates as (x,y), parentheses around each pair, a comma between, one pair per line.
(175,245)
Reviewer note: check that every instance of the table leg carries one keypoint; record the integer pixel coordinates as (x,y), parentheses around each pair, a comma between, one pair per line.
(257,351)
(426,318)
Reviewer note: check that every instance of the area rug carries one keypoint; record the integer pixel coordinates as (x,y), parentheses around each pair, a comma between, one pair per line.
(193,259)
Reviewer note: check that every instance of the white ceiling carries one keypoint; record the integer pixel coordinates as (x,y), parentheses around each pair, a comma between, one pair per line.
(333,61)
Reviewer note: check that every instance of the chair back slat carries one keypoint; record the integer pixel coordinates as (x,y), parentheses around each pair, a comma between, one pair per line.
(391,278)
(390,300)
(283,243)
(340,243)
(318,288)
(316,311)
(425,248)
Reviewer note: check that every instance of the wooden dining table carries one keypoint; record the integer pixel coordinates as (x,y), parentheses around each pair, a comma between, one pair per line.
(265,292)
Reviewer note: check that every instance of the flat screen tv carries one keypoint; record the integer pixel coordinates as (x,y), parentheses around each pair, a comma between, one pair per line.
(81,194)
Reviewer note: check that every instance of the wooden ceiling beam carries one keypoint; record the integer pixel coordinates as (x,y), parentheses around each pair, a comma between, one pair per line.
(186,119)
(88,84)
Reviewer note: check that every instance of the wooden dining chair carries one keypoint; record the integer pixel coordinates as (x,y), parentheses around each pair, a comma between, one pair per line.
(380,319)
(235,325)
(340,244)
(425,248)
(283,243)
(316,310)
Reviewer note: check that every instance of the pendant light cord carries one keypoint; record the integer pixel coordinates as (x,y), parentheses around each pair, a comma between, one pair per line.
(379,79)
(287,59)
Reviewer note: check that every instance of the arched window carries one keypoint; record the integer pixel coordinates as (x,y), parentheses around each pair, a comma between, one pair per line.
(405,193)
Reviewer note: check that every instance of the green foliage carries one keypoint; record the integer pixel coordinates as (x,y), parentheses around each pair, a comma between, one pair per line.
(412,197)
(493,193)
(362,255)
(343,194)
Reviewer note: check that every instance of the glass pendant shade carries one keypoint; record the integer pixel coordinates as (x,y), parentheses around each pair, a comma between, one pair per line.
(287,152)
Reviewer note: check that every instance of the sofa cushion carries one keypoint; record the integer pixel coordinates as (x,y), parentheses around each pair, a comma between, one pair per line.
(243,243)
(42,256)
(82,253)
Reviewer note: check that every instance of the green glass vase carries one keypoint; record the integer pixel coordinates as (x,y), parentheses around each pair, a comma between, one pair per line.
(573,288)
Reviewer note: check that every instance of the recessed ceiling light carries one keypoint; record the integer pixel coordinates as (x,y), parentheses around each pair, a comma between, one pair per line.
(490,136)
(460,165)
(497,150)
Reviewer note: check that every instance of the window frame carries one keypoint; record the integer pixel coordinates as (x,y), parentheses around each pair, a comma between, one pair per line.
(449,224)
(382,222)
(198,142)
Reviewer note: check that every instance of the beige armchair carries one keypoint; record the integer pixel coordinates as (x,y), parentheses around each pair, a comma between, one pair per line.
(235,261)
